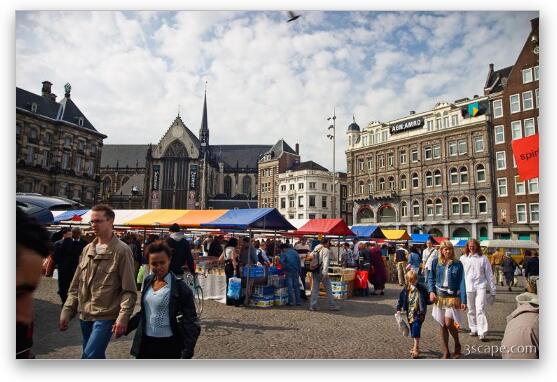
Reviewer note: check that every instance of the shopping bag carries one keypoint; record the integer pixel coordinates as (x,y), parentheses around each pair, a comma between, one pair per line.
(360,279)
(402,326)
(140,275)
(234,288)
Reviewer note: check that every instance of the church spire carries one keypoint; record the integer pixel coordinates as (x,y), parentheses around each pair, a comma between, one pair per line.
(204,130)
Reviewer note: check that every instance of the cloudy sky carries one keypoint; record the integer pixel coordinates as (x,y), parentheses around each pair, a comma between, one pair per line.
(267,79)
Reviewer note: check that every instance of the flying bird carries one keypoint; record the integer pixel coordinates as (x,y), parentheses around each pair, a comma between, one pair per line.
(292,16)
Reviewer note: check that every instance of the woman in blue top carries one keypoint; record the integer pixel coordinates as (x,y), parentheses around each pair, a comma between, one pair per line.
(167,324)
(447,291)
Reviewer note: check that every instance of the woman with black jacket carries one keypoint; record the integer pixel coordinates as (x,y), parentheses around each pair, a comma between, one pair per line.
(167,324)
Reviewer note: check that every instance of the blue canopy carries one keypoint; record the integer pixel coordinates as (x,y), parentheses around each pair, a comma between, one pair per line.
(419,238)
(258,218)
(461,243)
(368,231)
(68,215)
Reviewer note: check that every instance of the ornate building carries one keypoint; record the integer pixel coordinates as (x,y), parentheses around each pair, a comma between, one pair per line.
(514,97)
(58,150)
(428,172)
(181,171)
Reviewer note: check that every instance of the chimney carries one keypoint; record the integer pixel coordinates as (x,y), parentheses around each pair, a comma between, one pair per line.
(53,97)
(298,148)
(535,23)
(490,68)
(47,86)
(412,112)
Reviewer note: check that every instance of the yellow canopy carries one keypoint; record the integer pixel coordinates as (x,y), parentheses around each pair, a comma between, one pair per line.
(395,234)
(163,218)
(194,218)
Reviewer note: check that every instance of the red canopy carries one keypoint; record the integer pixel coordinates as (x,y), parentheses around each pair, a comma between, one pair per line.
(325,227)
(440,239)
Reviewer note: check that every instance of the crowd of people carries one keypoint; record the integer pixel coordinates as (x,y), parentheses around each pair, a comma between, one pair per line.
(98,282)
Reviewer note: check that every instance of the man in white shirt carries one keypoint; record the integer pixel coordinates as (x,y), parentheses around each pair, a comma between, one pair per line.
(427,253)
(479,278)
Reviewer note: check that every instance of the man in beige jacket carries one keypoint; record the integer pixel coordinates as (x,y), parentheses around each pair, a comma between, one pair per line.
(103,289)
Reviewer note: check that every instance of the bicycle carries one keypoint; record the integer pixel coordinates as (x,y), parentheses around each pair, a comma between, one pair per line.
(193,282)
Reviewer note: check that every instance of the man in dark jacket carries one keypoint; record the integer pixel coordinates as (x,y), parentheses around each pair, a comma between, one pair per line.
(66,257)
(215,248)
(181,251)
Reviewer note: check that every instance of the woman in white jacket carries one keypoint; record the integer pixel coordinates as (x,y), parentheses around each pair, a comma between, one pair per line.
(479,282)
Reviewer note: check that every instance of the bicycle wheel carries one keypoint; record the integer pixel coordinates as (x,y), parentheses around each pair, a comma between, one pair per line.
(198,296)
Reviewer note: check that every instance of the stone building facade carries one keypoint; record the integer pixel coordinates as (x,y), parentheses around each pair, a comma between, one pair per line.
(58,149)
(427,173)
(273,162)
(305,192)
(181,171)
(514,96)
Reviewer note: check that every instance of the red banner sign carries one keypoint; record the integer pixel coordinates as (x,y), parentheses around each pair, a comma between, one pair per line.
(526,154)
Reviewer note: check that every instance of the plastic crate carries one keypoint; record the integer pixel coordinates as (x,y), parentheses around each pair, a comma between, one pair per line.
(280,301)
(264,290)
(263,302)
(281,292)
(254,271)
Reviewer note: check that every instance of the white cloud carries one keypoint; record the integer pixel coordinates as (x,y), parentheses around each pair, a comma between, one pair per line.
(267,79)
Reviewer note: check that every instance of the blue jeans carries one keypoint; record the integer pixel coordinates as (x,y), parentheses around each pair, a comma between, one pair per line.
(293,287)
(96,336)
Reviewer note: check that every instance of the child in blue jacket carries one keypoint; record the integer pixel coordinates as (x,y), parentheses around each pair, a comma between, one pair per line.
(413,300)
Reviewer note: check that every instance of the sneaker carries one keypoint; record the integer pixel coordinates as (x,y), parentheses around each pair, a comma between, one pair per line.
(313,308)
(473,334)
(510,289)
(334,308)
(482,338)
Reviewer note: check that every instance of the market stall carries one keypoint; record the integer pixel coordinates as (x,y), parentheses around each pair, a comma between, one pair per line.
(367,232)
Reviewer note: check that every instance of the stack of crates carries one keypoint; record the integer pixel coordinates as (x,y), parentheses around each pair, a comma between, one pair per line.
(281,296)
(340,290)
(263,296)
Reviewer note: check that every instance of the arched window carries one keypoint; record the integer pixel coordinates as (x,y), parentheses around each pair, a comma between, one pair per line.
(246,185)
(364,215)
(483,233)
(124,180)
(381,184)
(429,207)
(428,179)
(370,186)
(403,182)
(454,175)
(391,181)
(463,174)
(361,184)
(438,207)
(480,173)
(416,208)
(415,180)
(228,186)
(106,185)
(386,213)
(465,205)
(455,206)
(461,233)
(437,178)
(482,204)
(404,209)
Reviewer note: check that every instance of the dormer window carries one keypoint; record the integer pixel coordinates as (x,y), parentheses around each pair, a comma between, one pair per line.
(80,121)
(34,107)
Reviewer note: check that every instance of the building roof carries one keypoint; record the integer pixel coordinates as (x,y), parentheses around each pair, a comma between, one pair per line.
(280,147)
(497,80)
(239,156)
(65,110)
(353,127)
(308,165)
(124,155)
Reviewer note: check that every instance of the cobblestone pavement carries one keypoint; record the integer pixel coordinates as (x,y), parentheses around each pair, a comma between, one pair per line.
(364,328)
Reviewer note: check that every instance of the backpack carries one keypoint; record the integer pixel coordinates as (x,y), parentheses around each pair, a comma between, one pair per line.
(315,260)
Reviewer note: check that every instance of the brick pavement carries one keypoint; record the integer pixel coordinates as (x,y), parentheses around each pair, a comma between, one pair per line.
(364,328)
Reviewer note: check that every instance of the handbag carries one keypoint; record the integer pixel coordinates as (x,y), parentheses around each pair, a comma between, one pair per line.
(402,325)
(234,288)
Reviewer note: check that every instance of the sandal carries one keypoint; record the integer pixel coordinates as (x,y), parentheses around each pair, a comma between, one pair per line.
(414,353)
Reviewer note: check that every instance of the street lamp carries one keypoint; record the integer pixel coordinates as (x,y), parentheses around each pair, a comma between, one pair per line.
(331,135)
